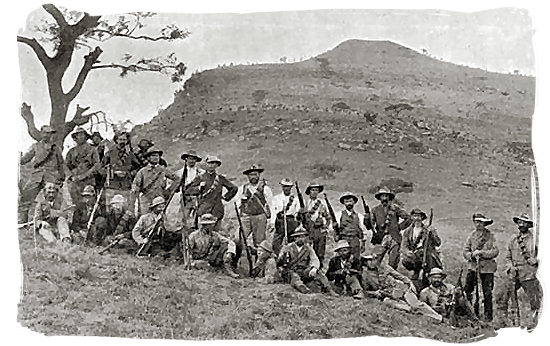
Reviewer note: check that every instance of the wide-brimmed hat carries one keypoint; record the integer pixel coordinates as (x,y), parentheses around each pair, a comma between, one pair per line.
(208,219)
(253,168)
(156,201)
(348,194)
(525,218)
(382,191)
(368,257)
(312,185)
(80,130)
(266,245)
(437,271)
(482,218)
(47,129)
(286,182)
(299,231)
(118,199)
(151,151)
(191,153)
(212,159)
(419,212)
(147,142)
(341,244)
(50,185)
(96,134)
(88,191)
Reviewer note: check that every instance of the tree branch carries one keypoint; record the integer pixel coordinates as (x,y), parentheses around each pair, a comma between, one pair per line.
(56,14)
(28,116)
(140,37)
(79,119)
(135,67)
(38,50)
(87,22)
(89,60)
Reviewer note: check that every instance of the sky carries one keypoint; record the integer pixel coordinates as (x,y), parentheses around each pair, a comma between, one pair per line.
(496,40)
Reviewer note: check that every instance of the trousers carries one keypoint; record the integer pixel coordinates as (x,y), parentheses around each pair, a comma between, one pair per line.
(487,284)
(388,246)
(51,230)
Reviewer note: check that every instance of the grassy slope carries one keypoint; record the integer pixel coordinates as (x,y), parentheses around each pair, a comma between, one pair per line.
(292,141)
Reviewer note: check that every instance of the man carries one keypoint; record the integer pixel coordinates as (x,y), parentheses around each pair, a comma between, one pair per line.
(161,240)
(117,224)
(417,239)
(298,264)
(446,300)
(83,213)
(265,267)
(284,216)
(189,202)
(118,167)
(209,187)
(387,229)
(254,199)
(50,217)
(99,144)
(83,162)
(140,152)
(521,270)
(317,219)
(207,245)
(151,181)
(345,270)
(395,289)
(481,251)
(47,167)
(350,225)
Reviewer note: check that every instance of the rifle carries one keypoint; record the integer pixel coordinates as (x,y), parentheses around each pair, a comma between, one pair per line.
(515,301)
(145,246)
(94,209)
(425,245)
(332,214)
(302,206)
(185,235)
(243,237)
(26,224)
(478,282)
(285,224)
(111,244)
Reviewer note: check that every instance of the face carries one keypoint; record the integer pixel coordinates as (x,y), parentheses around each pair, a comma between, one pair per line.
(253,177)
(211,167)
(47,136)
(191,161)
(96,140)
(208,227)
(50,193)
(80,138)
(90,200)
(436,280)
(314,192)
(349,202)
(384,198)
(154,158)
(345,252)
(480,225)
(121,141)
(159,208)
(417,218)
(117,207)
(300,240)
(144,145)
(286,190)
(371,264)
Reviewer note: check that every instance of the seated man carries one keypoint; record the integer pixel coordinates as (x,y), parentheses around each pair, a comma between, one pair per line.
(207,246)
(266,264)
(82,214)
(447,300)
(50,220)
(162,241)
(298,264)
(345,270)
(393,288)
(117,225)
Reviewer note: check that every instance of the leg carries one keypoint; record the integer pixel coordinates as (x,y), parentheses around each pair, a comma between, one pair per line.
(355,246)
(63,228)
(322,279)
(278,235)
(355,287)
(297,283)
(47,232)
(259,226)
(26,201)
(533,290)
(469,284)
(487,284)
(393,254)
(381,249)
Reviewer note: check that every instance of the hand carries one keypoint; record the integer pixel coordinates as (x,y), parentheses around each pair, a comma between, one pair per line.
(119,236)
(532,261)
(412,287)
(145,240)
(476,254)
(313,272)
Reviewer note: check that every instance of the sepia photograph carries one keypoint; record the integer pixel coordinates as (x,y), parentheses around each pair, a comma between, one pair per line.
(277,174)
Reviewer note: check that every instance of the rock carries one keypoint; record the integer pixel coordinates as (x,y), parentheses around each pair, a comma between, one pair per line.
(468,184)
(241,138)
(379,132)
(344,146)
(213,133)
(304,132)
(417,148)
(391,165)
(191,135)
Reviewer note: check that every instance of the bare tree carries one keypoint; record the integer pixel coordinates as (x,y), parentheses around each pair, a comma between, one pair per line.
(70,31)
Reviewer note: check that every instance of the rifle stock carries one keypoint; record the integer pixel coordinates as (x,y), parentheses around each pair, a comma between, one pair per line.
(331,213)
(94,209)
(302,215)
(243,237)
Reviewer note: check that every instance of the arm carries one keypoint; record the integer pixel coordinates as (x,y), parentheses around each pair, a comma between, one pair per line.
(193,188)
(407,220)
(362,228)
(467,252)
(405,242)
(231,189)
(395,274)
(332,271)
(434,238)
(509,262)
(314,260)
(27,157)
(490,250)
(138,228)
(38,215)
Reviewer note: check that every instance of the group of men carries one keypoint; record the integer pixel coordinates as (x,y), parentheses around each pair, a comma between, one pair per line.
(120,196)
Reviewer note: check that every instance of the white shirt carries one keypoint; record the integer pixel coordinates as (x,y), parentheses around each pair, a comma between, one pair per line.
(279,202)
(416,232)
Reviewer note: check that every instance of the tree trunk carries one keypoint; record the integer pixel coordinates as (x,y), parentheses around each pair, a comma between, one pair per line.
(59,106)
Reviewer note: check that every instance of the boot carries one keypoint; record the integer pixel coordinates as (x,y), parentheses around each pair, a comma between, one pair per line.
(302,288)
(227,265)
(359,295)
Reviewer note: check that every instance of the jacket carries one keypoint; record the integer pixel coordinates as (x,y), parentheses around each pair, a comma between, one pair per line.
(393,227)
(210,194)
(486,242)
(520,248)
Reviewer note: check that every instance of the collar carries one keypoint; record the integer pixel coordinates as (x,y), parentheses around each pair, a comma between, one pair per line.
(350,213)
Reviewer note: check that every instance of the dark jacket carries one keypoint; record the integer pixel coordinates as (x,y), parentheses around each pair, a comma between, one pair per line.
(393,227)
(338,269)
(210,194)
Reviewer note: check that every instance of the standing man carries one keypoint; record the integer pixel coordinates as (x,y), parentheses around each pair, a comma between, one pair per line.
(83,162)
(151,181)
(209,186)
(521,269)
(254,200)
(189,201)
(317,219)
(417,239)
(481,251)
(141,154)
(387,228)
(352,225)
(47,167)
(98,143)
(118,164)
(50,216)
(284,216)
